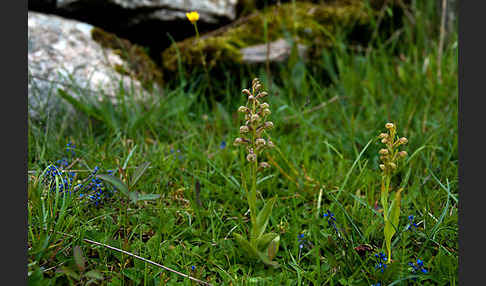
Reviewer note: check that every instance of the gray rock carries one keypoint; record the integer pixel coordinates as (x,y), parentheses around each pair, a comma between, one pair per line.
(277,51)
(164,10)
(62,54)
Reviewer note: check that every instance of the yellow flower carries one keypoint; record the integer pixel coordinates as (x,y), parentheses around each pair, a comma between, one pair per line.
(193,16)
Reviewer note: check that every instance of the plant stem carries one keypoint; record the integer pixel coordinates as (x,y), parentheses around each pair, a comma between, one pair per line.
(252,202)
(203,59)
(385,184)
(253,168)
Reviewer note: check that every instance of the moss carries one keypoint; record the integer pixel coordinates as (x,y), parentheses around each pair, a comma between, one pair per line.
(139,64)
(313,25)
(245,7)
(122,70)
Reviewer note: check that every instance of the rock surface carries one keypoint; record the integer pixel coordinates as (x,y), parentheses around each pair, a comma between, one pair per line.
(163,10)
(62,54)
(150,23)
(277,51)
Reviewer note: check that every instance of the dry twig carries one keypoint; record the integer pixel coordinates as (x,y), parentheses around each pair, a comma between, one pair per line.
(140,258)
(441,39)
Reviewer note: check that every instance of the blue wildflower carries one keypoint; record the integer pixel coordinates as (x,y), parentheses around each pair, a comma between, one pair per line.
(62,163)
(69,148)
(419,267)
(58,178)
(178,155)
(381,266)
(381,261)
(381,256)
(301,240)
(193,267)
(96,191)
(330,217)
(222,145)
(412,223)
(54,177)
(331,221)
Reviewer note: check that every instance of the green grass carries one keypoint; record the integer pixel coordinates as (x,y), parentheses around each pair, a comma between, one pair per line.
(395,82)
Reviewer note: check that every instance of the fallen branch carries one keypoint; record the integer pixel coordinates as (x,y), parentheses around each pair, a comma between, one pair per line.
(140,258)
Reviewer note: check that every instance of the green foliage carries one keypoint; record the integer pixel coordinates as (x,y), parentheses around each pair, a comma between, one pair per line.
(78,274)
(327,158)
(125,189)
(391,223)
(263,217)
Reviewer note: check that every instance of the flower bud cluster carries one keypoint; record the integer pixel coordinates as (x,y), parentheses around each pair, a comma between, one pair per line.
(390,155)
(253,132)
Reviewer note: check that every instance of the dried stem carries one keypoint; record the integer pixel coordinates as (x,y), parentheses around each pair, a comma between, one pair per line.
(441,40)
(138,257)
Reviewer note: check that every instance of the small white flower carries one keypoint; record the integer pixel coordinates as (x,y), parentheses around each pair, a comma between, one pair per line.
(264,165)
(238,141)
(242,109)
(262,94)
(268,125)
(244,129)
(383,152)
(260,141)
(251,157)
(255,117)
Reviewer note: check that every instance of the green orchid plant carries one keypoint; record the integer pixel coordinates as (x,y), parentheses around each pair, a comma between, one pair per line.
(254,138)
(390,157)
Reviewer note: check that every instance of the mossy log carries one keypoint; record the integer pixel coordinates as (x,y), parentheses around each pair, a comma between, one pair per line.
(308,24)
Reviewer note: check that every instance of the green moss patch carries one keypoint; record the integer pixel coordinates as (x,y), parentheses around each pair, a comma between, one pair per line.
(138,63)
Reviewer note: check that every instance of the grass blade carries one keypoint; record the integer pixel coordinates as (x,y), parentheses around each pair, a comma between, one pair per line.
(352,168)
(78,258)
(119,185)
(263,217)
(80,106)
(128,157)
(272,248)
(139,172)
(265,239)
(391,224)
(147,197)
